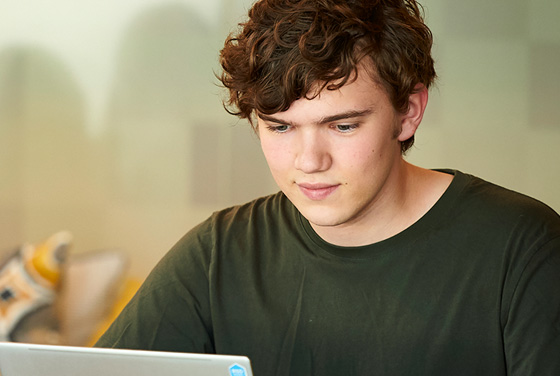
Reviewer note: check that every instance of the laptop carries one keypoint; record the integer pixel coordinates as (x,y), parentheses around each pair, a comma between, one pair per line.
(18,359)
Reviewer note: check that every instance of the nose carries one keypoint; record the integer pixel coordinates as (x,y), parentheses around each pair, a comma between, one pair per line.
(312,154)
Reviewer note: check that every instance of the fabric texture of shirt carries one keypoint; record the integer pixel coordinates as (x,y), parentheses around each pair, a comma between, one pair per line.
(471,288)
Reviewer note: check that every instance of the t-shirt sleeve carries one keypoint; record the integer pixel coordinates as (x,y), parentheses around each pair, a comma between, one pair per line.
(170,311)
(532,331)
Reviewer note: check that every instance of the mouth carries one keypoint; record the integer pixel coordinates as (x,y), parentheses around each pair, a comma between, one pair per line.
(317,192)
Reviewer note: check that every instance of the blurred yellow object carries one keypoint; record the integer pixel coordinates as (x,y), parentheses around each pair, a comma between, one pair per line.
(44,262)
(129,288)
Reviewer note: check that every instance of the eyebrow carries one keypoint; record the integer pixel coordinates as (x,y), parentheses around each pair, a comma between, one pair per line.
(324,120)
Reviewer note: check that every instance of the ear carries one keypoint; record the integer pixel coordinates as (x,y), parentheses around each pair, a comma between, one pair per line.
(410,120)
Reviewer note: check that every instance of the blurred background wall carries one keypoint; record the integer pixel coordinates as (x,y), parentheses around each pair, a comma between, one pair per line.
(111,123)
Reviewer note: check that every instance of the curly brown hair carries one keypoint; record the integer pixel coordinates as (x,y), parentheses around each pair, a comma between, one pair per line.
(288,47)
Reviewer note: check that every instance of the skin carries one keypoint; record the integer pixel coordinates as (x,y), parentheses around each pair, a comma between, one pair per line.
(337,157)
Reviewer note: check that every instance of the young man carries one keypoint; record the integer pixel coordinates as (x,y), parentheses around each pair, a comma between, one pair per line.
(363,264)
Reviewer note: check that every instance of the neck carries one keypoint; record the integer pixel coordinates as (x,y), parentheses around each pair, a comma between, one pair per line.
(408,194)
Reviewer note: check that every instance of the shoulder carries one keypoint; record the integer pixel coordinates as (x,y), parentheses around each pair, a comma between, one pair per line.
(274,205)
(237,224)
(517,221)
(493,200)
(233,230)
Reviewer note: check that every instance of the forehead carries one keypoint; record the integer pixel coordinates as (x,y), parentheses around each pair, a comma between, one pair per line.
(362,93)
(365,72)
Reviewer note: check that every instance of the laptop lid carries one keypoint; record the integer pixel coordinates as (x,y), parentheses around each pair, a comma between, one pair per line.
(18,359)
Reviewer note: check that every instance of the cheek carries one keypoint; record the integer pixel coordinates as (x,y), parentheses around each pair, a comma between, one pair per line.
(363,155)
(276,156)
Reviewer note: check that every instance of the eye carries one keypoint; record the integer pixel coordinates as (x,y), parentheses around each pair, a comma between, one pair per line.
(280,128)
(345,128)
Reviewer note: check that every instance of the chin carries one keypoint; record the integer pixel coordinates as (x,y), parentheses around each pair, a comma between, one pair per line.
(322,218)
(324,214)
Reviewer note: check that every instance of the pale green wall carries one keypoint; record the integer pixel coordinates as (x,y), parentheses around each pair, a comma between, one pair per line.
(496,110)
(111,124)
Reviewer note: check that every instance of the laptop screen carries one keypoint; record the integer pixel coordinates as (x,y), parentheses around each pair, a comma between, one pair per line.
(17,359)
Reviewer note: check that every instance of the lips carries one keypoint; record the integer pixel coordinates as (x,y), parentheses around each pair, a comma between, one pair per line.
(317,192)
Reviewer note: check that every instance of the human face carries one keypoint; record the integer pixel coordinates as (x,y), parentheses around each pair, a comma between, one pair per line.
(337,156)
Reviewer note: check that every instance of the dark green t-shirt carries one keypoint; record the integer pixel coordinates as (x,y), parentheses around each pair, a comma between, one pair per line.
(472,288)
